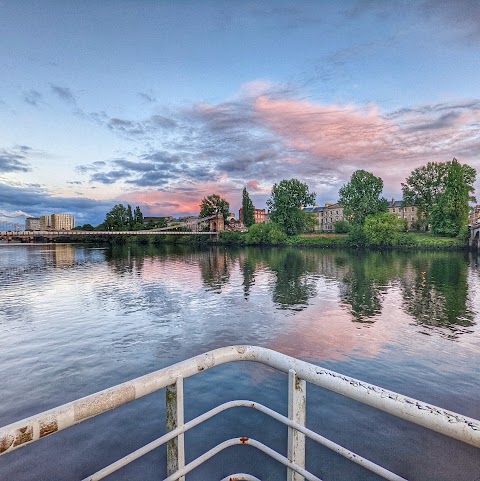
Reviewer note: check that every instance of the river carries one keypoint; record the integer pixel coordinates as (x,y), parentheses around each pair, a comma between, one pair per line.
(77,319)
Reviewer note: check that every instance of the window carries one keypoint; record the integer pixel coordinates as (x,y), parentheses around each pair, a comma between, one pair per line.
(393,210)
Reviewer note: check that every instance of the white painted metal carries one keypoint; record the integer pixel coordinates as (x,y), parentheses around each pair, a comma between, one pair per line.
(297,412)
(175,418)
(240,477)
(375,468)
(437,419)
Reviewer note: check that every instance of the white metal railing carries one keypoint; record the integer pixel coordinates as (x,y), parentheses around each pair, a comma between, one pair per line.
(299,372)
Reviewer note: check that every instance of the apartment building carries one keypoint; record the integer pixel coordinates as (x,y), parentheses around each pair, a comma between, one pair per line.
(260,215)
(327,216)
(32,223)
(57,222)
(409,213)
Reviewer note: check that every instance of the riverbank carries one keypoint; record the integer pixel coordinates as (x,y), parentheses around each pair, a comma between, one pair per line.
(404,241)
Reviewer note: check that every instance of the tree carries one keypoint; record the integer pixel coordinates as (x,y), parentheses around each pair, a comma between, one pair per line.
(130,217)
(382,229)
(426,183)
(285,205)
(214,204)
(117,218)
(138,216)
(450,211)
(248,210)
(361,197)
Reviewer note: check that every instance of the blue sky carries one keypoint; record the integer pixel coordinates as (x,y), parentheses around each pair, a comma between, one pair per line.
(159,103)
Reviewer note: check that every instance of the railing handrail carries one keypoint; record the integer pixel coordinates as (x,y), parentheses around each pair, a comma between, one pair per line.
(33,428)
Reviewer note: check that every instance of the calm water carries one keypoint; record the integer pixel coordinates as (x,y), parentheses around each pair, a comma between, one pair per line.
(78,319)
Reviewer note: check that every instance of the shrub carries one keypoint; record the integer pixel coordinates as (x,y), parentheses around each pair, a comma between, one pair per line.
(356,237)
(342,227)
(269,234)
(232,237)
(383,229)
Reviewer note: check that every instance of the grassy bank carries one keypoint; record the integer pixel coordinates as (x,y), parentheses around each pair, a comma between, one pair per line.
(410,240)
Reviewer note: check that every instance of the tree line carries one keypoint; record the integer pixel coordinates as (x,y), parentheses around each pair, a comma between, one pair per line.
(441,191)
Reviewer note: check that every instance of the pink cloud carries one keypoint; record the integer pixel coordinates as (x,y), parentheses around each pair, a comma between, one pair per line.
(346,138)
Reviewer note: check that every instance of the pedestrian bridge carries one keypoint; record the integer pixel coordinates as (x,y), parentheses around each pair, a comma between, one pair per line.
(448,423)
(215,223)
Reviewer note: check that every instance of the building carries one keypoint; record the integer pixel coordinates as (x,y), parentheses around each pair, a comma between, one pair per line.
(409,213)
(63,221)
(57,222)
(45,222)
(475,215)
(32,223)
(259,215)
(327,216)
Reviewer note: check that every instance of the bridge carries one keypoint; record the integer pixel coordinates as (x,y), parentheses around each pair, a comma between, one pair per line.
(215,222)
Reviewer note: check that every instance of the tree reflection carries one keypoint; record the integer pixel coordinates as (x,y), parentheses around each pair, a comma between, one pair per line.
(214,267)
(365,280)
(293,286)
(436,291)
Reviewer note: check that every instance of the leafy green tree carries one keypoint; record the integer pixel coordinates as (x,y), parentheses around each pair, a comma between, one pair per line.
(311,222)
(285,205)
(248,210)
(130,217)
(214,204)
(117,218)
(382,229)
(450,211)
(361,197)
(138,218)
(426,183)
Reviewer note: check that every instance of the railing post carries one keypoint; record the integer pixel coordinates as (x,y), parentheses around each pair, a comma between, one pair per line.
(175,418)
(297,411)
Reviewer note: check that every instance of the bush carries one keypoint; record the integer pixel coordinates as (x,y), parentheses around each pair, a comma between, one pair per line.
(267,234)
(356,237)
(464,234)
(232,238)
(383,229)
(342,227)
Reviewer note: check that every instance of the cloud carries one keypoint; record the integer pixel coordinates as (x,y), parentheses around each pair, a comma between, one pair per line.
(147,97)
(14,161)
(37,201)
(133,129)
(12,215)
(32,97)
(64,93)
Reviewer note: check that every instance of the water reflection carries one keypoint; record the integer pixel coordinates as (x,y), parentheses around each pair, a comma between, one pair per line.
(436,292)
(435,287)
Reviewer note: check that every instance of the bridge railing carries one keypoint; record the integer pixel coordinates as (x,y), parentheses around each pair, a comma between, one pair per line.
(32,429)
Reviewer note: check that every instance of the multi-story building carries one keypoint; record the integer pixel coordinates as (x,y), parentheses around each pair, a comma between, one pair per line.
(409,212)
(45,222)
(332,213)
(260,215)
(57,222)
(327,216)
(63,221)
(32,223)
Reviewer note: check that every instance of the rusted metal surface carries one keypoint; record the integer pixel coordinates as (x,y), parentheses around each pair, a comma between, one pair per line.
(175,419)
(371,466)
(237,441)
(437,419)
(297,412)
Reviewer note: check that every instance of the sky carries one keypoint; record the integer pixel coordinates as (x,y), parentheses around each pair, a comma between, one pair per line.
(161,103)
